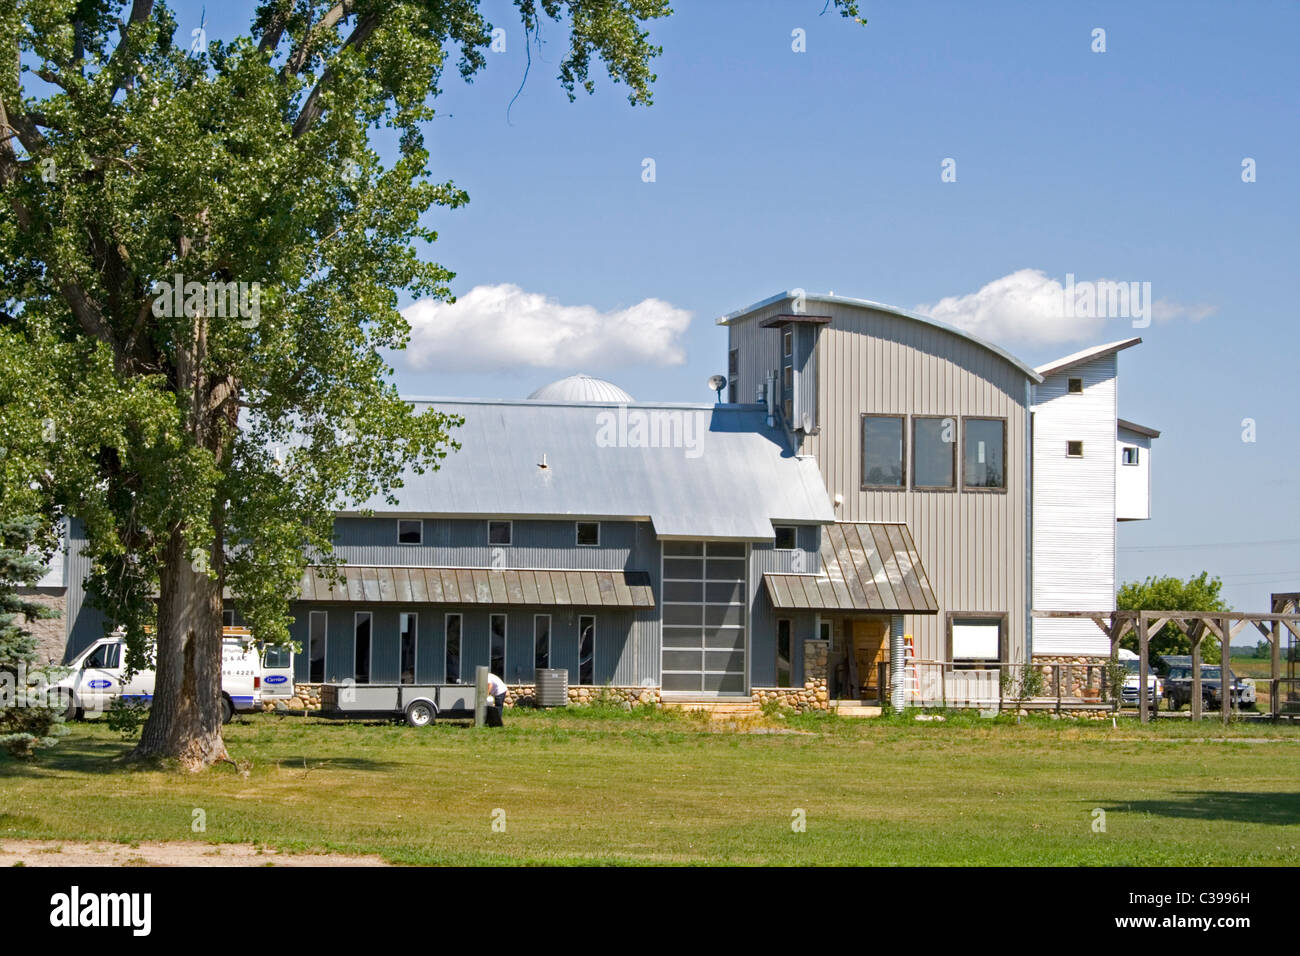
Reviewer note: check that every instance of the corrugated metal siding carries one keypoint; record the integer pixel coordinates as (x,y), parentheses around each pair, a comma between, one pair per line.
(1132,482)
(764,558)
(973,544)
(627,641)
(85,624)
(1074,506)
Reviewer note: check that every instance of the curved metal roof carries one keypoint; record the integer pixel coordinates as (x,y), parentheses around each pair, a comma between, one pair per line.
(1029,372)
(581,388)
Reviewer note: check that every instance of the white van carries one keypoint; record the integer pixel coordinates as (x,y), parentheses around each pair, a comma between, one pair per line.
(97,676)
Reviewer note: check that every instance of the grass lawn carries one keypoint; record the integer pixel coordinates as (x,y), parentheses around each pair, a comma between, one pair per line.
(672,789)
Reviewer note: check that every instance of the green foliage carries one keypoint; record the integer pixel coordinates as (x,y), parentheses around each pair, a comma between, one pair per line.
(1198,593)
(126,716)
(27,721)
(1021,683)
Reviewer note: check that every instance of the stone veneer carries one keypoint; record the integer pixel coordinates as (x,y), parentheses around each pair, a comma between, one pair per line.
(814,694)
(51,633)
(308,696)
(1080,677)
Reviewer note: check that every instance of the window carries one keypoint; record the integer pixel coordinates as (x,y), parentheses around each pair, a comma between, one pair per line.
(1075,386)
(784,627)
(733,372)
(984,448)
(451,668)
(361,647)
(787,409)
(1130,455)
(787,343)
(500,532)
(934,453)
(106,656)
(541,641)
(277,656)
(787,378)
(497,660)
(826,632)
(976,641)
(882,451)
(586,649)
(785,537)
(317,628)
(408,625)
(588,534)
(227,618)
(1074,449)
(410,532)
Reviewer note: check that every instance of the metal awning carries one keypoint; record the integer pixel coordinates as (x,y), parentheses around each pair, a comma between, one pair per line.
(540,588)
(866,566)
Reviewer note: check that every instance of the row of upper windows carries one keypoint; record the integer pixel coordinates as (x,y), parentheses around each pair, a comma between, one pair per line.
(586,533)
(934,453)
(500,532)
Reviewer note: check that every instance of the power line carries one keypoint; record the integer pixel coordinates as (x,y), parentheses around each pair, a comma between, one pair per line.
(1220,544)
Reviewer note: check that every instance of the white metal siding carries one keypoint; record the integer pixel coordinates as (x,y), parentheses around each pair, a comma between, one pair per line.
(1074,506)
(1132,482)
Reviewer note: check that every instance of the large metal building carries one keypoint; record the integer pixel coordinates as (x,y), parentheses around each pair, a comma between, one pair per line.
(875,477)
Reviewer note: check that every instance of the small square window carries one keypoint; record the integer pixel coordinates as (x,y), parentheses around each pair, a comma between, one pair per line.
(1130,455)
(785,537)
(588,533)
(1074,449)
(1075,386)
(410,532)
(788,342)
(499,532)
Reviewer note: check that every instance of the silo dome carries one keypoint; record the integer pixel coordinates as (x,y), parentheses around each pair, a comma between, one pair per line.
(581,388)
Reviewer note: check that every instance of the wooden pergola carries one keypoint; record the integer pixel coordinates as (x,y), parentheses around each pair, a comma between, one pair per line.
(1224,625)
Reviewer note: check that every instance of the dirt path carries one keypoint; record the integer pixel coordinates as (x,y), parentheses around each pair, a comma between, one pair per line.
(176,853)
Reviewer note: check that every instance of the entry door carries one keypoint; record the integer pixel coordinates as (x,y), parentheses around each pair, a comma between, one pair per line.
(870,646)
(704,617)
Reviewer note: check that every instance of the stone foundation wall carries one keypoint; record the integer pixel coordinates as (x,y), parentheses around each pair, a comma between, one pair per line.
(1081,676)
(308,696)
(50,633)
(525,695)
(814,694)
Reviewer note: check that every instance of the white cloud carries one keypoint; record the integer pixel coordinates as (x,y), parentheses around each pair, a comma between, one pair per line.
(494,326)
(1030,307)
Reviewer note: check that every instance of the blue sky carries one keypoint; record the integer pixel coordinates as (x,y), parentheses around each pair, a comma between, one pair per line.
(821,170)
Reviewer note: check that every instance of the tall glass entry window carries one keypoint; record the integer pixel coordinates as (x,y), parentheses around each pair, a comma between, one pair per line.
(704,617)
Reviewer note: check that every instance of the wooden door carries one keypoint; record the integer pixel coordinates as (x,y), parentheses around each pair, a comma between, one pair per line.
(870,648)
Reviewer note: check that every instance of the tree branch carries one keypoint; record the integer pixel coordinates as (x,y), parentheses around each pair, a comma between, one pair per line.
(313,108)
(301,55)
(140,11)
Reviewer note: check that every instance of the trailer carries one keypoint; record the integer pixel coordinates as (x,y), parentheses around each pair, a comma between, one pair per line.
(419,704)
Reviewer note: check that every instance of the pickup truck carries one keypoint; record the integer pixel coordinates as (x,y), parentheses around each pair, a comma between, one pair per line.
(1178,685)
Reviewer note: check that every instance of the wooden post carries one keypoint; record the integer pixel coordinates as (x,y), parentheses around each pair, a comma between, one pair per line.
(1275,671)
(1225,672)
(1196,671)
(1143,668)
(480,695)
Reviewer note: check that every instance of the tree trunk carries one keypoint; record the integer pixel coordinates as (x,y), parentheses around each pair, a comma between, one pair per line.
(184,722)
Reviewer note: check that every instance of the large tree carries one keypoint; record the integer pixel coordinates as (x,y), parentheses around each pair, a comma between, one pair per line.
(238,411)
(1197,593)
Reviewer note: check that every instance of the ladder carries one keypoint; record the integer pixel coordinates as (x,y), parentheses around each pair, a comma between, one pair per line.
(911,684)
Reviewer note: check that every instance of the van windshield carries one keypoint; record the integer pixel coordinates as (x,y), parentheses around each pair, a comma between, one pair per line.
(105,656)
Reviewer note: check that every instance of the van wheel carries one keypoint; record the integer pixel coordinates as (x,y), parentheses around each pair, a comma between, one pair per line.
(420,713)
(72,711)
(227,710)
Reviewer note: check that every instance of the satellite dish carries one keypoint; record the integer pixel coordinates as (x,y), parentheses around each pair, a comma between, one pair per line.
(807,422)
(718,383)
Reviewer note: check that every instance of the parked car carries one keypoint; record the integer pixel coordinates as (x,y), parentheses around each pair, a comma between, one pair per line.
(97,676)
(1133,680)
(1178,685)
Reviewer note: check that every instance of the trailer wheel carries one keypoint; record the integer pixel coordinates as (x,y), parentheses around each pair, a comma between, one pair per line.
(420,713)
(227,710)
